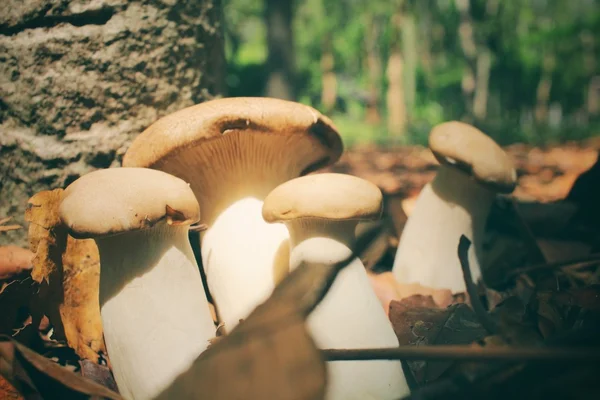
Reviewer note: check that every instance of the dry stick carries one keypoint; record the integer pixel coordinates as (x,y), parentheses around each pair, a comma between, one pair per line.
(467,353)
(589,259)
(463,255)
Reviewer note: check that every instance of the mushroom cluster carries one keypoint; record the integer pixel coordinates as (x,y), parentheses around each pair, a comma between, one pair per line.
(241,167)
(473,170)
(233,152)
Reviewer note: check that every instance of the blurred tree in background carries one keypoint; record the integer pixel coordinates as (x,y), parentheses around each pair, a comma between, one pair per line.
(387,70)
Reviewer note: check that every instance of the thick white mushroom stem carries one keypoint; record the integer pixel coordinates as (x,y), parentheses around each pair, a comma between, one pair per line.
(350,316)
(154,310)
(453,204)
(243,256)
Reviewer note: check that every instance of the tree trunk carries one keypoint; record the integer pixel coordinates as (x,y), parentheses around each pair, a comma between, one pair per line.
(395,98)
(280,42)
(424,43)
(478,60)
(589,65)
(81,79)
(484,65)
(409,48)
(469,49)
(593,96)
(483,68)
(374,70)
(543,89)
(328,78)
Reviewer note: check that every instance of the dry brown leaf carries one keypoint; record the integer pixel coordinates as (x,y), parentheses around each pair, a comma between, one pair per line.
(420,325)
(13,261)
(270,355)
(47,238)
(68,271)
(37,377)
(8,391)
(388,289)
(80,310)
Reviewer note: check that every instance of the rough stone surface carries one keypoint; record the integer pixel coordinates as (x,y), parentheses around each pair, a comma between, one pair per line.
(80,78)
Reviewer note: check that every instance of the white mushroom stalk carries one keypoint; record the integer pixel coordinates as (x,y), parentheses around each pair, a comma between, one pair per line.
(154,310)
(457,202)
(233,153)
(448,207)
(350,316)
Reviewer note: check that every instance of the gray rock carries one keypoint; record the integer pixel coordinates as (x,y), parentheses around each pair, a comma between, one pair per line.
(79,79)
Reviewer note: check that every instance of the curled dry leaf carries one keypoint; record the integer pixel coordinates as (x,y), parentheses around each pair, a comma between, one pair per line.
(68,271)
(37,377)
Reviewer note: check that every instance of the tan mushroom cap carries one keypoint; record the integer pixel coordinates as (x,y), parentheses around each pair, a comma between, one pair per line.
(117,200)
(472,151)
(213,119)
(330,196)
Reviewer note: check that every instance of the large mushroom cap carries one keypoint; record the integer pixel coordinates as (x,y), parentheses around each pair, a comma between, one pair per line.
(213,119)
(327,196)
(467,148)
(112,201)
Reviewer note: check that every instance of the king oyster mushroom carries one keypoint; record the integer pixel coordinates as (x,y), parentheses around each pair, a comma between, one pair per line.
(473,169)
(321,212)
(154,310)
(234,151)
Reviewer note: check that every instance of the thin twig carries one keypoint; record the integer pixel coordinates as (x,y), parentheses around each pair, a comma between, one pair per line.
(463,255)
(467,353)
(589,259)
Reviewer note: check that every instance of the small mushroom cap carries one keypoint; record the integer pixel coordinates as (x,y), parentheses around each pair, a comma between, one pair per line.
(213,119)
(117,200)
(472,151)
(326,196)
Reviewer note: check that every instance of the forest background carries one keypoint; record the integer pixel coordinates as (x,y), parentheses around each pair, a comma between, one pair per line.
(386,71)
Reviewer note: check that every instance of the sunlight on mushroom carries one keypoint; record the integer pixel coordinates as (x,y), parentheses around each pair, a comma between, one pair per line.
(233,152)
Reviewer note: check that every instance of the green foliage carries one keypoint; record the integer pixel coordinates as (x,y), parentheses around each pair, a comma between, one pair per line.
(528,40)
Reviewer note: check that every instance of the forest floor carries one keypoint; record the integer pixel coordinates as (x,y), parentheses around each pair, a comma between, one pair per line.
(543,285)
